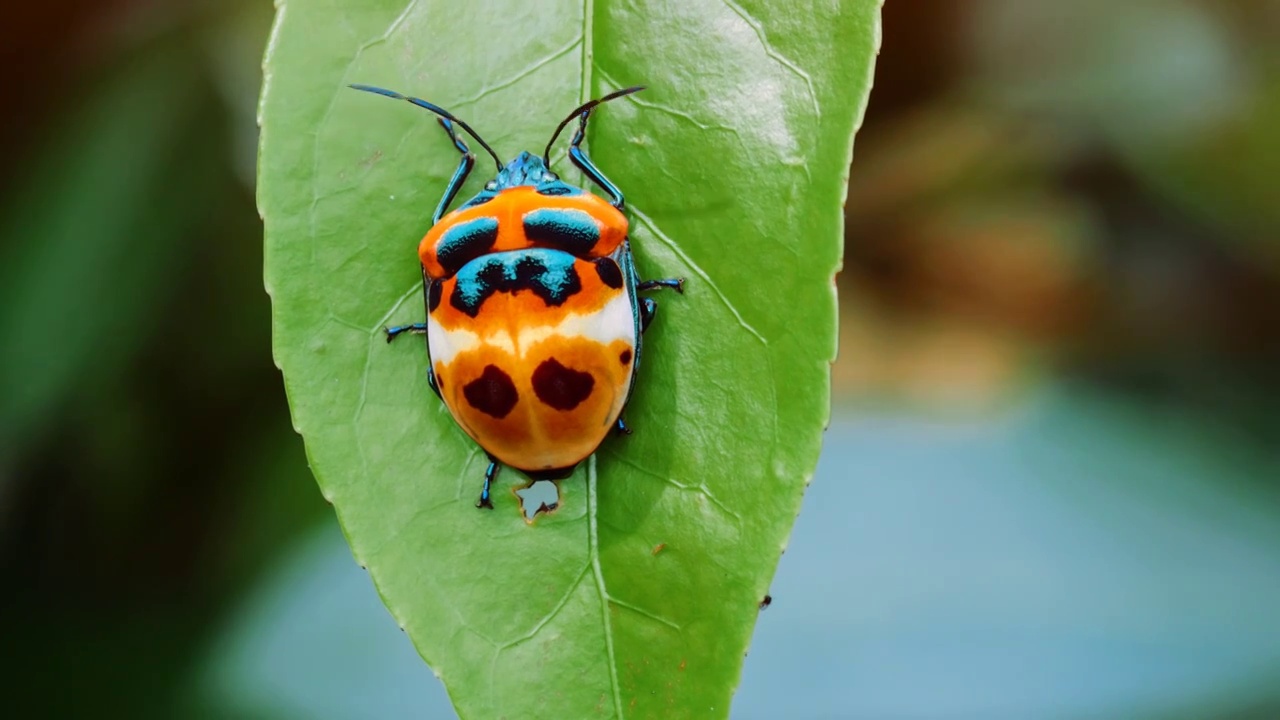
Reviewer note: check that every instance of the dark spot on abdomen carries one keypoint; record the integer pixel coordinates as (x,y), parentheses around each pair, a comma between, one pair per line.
(560,387)
(609,272)
(492,393)
(433,295)
(624,357)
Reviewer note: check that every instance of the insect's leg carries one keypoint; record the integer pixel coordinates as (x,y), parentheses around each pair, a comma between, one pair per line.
(417,329)
(459,175)
(484,501)
(676,284)
(584,163)
(621,427)
(647,309)
(397,330)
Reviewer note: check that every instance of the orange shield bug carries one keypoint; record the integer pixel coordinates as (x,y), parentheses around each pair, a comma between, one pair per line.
(534,321)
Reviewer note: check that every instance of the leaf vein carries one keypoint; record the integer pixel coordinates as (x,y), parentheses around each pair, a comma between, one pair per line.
(531,69)
(697,270)
(588,57)
(324,119)
(466,468)
(776,56)
(386,317)
(594,552)
(368,360)
(641,611)
(669,111)
(564,600)
(700,488)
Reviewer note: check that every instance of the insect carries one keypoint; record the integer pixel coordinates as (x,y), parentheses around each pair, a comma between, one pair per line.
(533,315)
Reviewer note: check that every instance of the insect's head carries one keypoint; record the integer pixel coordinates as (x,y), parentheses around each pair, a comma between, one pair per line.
(525,169)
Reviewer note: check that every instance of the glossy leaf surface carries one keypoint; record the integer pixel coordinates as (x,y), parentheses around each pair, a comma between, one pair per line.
(637,597)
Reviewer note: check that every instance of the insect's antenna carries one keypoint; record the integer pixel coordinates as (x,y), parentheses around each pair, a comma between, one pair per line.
(435,109)
(585,107)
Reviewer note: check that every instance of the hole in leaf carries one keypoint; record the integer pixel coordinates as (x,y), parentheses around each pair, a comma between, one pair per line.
(538,497)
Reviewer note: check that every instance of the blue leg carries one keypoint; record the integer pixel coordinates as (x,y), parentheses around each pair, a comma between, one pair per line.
(459,175)
(397,330)
(484,501)
(621,428)
(417,329)
(584,163)
(676,284)
(647,309)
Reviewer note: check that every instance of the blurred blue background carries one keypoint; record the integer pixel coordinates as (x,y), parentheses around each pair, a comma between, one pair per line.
(1051,486)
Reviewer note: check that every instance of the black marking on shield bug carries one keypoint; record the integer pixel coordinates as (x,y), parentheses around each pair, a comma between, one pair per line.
(493,393)
(465,242)
(550,473)
(480,199)
(560,387)
(549,274)
(433,295)
(570,230)
(624,357)
(609,272)
(557,188)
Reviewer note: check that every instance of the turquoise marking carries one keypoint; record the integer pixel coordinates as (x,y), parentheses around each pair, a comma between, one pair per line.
(573,231)
(549,274)
(464,233)
(466,240)
(525,169)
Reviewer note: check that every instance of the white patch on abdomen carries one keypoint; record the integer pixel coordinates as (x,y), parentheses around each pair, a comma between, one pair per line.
(612,322)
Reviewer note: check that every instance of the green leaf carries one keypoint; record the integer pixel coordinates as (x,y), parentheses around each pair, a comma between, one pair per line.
(734,163)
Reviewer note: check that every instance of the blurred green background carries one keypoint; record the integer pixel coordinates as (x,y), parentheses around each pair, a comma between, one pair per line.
(1051,487)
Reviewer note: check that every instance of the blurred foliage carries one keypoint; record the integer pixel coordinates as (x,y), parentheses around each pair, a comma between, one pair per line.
(1062,187)
(1042,193)
(146,461)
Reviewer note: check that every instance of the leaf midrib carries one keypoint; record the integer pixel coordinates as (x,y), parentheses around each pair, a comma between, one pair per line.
(593,540)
